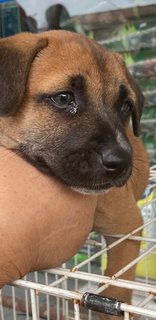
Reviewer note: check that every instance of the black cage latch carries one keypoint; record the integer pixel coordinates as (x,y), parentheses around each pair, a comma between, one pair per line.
(101,304)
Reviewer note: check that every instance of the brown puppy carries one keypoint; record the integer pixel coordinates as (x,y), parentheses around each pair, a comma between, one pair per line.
(65,106)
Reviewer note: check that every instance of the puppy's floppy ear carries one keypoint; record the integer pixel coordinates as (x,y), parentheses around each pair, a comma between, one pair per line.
(137,112)
(16,56)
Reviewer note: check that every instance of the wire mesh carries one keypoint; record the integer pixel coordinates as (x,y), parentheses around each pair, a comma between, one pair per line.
(63,293)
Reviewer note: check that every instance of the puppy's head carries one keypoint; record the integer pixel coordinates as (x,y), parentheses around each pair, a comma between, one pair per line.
(65,106)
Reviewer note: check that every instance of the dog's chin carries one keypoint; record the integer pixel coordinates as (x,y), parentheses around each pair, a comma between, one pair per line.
(101,188)
(98,188)
(89,191)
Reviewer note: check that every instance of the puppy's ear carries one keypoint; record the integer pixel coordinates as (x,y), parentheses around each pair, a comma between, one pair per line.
(137,112)
(16,56)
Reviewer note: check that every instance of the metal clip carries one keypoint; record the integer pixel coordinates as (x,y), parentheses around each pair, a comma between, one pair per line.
(101,304)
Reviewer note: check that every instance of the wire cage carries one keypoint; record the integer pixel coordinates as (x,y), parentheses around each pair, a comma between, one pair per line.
(71,291)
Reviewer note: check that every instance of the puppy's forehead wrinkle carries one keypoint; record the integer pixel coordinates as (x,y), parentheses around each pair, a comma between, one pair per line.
(82,49)
(77,81)
(79,58)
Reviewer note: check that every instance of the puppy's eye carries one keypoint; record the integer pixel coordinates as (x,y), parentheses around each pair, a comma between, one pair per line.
(126,108)
(63,100)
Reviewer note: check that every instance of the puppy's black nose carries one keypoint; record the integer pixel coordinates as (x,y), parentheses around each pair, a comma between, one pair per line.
(116,163)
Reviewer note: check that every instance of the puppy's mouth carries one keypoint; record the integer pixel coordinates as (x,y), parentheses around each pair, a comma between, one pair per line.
(94,186)
(86,177)
(101,188)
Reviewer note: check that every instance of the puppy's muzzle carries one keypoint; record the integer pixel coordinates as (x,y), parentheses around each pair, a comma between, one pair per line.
(100,168)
